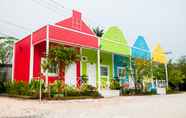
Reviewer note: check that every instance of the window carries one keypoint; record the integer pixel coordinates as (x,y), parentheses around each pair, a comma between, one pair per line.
(104,71)
(53,70)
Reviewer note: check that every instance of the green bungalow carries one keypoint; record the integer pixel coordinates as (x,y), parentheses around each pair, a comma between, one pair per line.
(114,59)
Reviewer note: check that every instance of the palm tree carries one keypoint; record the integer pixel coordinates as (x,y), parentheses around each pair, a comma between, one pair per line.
(98,31)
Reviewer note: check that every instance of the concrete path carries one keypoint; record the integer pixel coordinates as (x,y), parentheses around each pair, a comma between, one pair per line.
(170,106)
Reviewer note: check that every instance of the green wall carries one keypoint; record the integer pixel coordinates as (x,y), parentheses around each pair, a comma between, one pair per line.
(92,58)
(113,41)
(105,59)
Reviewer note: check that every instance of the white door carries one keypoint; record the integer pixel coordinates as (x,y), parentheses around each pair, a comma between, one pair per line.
(91,73)
(70,74)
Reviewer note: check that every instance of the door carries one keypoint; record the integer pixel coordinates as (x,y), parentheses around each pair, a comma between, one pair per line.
(121,72)
(91,73)
(70,74)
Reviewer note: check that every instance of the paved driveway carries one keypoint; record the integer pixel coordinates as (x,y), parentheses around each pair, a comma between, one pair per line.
(170,106)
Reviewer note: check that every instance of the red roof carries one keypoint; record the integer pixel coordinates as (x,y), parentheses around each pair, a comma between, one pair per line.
(72,31)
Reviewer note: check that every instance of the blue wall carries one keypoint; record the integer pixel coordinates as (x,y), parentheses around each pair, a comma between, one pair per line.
(140,49)
(120,61)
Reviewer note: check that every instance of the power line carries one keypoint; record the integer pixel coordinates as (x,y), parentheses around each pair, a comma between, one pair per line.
(47,6)
(6,35)
(13,24)
(61,6)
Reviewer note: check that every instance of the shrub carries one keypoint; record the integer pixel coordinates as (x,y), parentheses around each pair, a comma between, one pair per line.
(114,84)
(11,87)
(21,88)
(2,87)
(34,88)
(84,78)
(56,88)
(71,91)
(88,90)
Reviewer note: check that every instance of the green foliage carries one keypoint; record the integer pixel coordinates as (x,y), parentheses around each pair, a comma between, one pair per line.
(71,91)
(84,78)
(11,87)
(56,89)
(142,69)
(98,31)
(6,50)
(88,90)
(114,84)
(2,86)
(158,71)
(61,56)
(14,88)
(176,74)
(104,82)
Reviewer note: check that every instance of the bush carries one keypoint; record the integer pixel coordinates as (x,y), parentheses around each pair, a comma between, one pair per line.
(11,87)
(114,84)
(2,87)
(21,88)
(84,78)
(71,91)
(34,88)
(55,90)
(14,88)
(88,90)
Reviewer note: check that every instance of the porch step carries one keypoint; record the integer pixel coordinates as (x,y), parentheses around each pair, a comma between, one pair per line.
(110,93)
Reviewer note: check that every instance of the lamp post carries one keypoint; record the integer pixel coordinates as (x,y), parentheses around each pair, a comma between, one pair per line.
(166,70)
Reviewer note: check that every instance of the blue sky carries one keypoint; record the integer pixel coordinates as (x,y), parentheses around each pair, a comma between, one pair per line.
(161,21)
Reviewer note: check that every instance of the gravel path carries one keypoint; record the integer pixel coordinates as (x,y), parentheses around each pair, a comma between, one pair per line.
(170,106)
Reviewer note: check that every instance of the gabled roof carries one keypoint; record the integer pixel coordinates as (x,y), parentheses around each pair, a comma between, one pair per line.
(71,31)
(140,49)
(75,22)
(159,54)
(113,40)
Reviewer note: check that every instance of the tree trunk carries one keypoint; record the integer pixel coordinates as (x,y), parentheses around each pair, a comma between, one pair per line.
(62,74)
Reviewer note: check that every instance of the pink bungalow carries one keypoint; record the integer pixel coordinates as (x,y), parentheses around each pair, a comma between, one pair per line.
(29,51)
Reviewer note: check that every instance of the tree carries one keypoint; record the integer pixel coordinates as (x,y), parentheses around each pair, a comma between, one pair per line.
(142,68)
(158,71)
(6,50)
(62,57)
(182,66)
(98,31)
(176,76)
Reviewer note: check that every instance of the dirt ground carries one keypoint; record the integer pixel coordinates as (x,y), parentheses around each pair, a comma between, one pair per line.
(168,106)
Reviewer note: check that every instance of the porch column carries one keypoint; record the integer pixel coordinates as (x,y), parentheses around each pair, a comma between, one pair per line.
(31,59)
(98,64)
(47,52)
